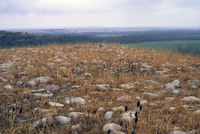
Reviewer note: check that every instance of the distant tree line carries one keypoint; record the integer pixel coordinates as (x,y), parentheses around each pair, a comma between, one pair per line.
(19,39)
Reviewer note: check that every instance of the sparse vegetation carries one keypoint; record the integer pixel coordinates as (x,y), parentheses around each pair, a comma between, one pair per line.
(92,79)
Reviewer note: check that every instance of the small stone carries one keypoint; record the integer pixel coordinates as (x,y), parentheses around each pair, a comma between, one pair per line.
(52,87)
(63,68)
(71,109)
(117,90)
(195,82)
(42,79)
(101,87)
(46,120)
(186,106)
(13,106)
(124,98)
(111,126)
(65,87)
(76,100)
(74,128)
(128,116)
(170,87)
(175,83)
(88,75)
(101,46)
(8,87)
(57,76)
(75,87)
(30,83)
(108,115)
(138,98)
(42,95)
(120,108)
(26,101)
(143,102)
(152,104)
(197,111)
(160,102)
(86,97)
(150,94)
(176,92)
(56,104)
(128,85)
(170,98)
(63,120)
(100,109)
(172,108)
(3,80)
(178,132)
(19,83)
(191,98)
(75,114)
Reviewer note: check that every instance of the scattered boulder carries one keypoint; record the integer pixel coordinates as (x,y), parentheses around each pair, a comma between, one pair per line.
(3,80)
(176,92)
(178,132)
(52,87)
(75,87)
(150,94)
(170,87)
(56,104)
(101,87)
(8,87)
(128,85)
(175,83)
(13,106)
(117,89)
(46,120)
(100,110)
(111,126)
(19,83)
(71,109)
(42,79)
(128,116)
(125,98)
(77,100)
(65,87)
(120,108)
(42,95)
(191,98)
(63,120)
(172,108)
(102,45)
(75,114)
(108,115)
(30,83)
(197,111)
(8,65)
(88,75)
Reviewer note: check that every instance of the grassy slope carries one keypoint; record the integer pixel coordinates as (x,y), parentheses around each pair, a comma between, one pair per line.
(169,45)
(157,119)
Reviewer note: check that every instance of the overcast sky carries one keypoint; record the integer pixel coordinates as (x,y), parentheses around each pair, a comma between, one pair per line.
(102,13)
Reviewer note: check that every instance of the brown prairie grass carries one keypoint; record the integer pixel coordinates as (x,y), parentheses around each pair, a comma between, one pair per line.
(113,68)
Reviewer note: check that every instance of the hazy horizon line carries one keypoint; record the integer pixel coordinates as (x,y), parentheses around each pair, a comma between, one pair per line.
(83,27)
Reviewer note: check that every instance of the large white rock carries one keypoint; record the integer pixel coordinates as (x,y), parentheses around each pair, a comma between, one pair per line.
(63,120)
(111,126)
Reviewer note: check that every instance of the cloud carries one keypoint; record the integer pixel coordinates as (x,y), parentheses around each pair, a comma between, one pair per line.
(66,13)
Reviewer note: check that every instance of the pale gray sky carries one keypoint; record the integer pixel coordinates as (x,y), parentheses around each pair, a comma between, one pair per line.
(103,13)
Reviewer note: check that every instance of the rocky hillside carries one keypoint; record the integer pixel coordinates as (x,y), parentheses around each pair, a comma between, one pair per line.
(98,89)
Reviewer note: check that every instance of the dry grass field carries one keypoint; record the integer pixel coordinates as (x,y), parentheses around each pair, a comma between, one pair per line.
(98,89)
